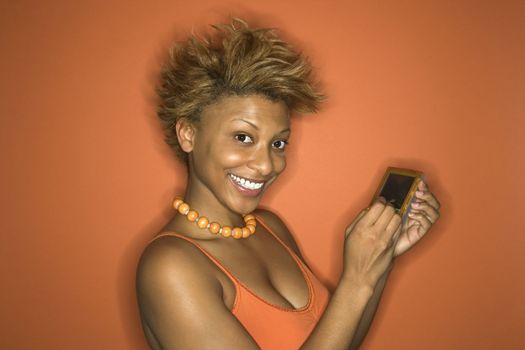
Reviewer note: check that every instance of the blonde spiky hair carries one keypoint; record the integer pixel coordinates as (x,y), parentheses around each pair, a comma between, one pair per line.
(236,60)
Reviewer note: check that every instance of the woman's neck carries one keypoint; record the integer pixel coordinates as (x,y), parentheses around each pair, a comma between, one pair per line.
(207,204)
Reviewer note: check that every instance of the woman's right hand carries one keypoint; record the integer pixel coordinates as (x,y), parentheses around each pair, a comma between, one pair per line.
(369,244)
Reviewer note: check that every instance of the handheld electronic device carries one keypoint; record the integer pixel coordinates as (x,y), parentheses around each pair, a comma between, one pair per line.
(398,188)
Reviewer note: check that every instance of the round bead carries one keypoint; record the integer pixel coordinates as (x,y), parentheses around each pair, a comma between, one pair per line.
(251,222)
(226,231)
(251,228)
(203,222)
(214,228)
(249,217)
(237,232)
(246,232)
(184,208)
(192,215)
(177,201)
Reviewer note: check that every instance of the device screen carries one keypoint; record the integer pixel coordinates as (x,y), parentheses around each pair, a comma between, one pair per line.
(396,188)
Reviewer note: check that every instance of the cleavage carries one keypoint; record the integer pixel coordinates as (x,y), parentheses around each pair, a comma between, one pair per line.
(277,278)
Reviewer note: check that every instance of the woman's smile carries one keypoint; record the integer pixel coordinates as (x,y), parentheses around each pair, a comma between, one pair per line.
(247,187)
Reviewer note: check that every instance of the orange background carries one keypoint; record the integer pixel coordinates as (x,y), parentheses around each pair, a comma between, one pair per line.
(86,179)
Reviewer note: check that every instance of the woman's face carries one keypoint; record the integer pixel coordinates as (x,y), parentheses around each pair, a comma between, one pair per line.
(239,150)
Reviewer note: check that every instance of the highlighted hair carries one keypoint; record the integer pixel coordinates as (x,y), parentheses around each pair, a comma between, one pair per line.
(236,60)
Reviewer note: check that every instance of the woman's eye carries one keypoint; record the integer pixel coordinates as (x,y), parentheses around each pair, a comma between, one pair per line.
(280,144)
(243,138)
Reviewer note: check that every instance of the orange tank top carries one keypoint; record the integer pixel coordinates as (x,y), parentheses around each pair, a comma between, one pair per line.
(273,327)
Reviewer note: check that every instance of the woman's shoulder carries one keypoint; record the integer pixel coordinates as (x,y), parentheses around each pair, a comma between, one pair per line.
(279,227)
(168,258)
(165,248)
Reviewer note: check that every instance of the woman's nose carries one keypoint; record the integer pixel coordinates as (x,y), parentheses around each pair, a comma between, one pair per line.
(262,161)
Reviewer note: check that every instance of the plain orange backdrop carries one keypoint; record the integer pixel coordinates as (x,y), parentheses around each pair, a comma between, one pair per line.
(86,179)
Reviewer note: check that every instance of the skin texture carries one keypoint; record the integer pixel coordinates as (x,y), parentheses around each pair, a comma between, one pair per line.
(245,136)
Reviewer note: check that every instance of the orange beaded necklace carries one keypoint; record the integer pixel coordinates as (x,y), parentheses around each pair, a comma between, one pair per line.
(214,227)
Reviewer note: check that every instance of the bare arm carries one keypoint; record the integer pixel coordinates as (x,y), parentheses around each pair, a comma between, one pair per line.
(179,297)
(423,217)
(370,311)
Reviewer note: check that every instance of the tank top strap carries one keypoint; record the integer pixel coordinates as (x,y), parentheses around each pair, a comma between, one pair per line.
(198,246)
(290,250)
(305,270)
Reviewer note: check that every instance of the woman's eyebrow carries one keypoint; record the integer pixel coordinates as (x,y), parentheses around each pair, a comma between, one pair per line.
(247,122)
(256,127)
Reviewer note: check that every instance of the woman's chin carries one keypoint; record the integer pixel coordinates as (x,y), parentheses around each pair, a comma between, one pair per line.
(245,205)
(245,201)
(246,208)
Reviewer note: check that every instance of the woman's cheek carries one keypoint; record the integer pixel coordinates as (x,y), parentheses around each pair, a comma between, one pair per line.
(234,158)
(280,164)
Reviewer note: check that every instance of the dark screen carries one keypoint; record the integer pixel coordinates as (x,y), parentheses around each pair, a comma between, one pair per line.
(396,189)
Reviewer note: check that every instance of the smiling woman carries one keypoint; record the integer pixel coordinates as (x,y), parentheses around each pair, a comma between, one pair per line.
(223,274)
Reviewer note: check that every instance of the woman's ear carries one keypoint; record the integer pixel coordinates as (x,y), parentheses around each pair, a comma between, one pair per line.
(185,134)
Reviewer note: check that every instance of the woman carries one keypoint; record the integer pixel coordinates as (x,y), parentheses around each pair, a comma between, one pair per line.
(223,274)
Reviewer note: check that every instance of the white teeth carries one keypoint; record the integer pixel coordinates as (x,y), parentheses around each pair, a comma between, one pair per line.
(246,183)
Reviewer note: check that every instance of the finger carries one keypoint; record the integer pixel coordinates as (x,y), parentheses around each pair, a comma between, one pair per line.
(428,210)
(394,226)
(373,213)
(359,216)
(384,219)
(422,186)
(428,197)
(397,233)
(422,220)
(409,222)
(393,241)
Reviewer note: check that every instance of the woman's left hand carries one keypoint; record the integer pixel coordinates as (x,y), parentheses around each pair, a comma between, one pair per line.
(424,212)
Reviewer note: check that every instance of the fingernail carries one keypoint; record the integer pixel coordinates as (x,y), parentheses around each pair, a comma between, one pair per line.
(411,214)
(416,205)
(419,193)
